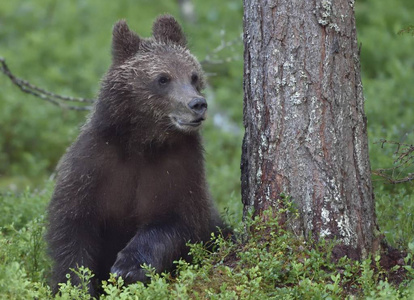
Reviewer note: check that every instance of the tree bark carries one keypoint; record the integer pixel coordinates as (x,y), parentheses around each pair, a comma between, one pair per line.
(304,119)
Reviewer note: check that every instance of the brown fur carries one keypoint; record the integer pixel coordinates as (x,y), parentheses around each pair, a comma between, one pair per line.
(132,189)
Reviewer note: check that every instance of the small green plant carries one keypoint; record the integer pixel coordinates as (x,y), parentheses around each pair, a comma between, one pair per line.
(69,291)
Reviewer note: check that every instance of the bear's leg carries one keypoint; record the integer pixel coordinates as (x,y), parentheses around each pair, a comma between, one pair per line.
(72,244)
(155,245)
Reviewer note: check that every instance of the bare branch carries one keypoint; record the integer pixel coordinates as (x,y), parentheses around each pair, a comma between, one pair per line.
(53,98)
(56,99)
(404,160)
(408,29)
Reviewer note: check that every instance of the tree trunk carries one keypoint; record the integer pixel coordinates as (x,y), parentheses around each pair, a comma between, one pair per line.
(304,118)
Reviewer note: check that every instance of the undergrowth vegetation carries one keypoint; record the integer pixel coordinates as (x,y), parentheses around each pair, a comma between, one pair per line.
(64,46)
(263,261)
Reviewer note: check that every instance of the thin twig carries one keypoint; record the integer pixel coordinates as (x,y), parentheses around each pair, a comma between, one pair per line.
(390,179)
(404,160)
(26,87)
(53,98)
(408,29)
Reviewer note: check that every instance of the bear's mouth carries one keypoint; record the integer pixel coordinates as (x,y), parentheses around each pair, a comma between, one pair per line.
(182,123)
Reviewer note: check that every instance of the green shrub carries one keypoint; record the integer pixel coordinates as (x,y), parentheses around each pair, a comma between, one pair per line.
(265,262)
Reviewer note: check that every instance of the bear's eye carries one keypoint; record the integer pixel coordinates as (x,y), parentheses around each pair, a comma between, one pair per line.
(163,80)
(194,79)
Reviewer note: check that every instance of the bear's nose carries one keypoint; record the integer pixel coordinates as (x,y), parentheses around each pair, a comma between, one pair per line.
(198,105)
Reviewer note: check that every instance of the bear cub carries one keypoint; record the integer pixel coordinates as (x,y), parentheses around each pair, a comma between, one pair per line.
(132,189)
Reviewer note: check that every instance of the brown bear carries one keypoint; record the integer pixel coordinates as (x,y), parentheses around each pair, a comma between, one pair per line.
(132,189)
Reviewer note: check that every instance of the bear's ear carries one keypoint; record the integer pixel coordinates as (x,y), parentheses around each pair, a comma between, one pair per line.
(167,30)
(125,43)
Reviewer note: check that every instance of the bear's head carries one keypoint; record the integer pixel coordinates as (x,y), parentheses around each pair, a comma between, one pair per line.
(154,82)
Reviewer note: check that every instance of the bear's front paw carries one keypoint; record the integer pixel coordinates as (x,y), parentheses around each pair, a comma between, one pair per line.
(129,268)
